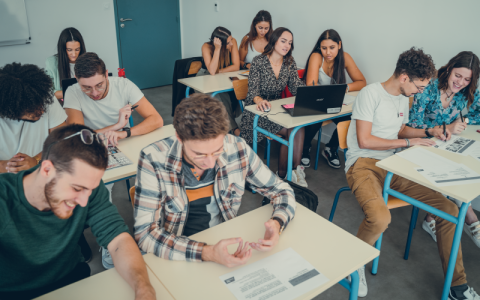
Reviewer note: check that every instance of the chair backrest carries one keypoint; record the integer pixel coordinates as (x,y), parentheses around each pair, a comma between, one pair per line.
(132,195)
(240,87)
(410,102)
(286,92)
(195,66)
(342,129)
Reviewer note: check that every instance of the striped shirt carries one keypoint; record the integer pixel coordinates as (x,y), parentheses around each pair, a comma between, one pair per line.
(161,201)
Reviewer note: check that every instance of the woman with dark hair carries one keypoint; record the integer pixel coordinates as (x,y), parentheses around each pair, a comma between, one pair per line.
(455,90)
(220,55)
(326,65)
(270,73)
(60,66)
(257,38)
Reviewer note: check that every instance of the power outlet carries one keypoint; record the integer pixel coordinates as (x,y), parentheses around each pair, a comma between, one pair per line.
(217,6)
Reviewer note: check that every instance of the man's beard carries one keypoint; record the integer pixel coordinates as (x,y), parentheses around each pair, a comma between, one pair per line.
(402,91)
(55,203)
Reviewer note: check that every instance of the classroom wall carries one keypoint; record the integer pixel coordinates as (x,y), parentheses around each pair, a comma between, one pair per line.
(374,32)
(47,18)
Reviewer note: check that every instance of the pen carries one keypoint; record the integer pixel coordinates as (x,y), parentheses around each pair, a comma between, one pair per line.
(444,130)
(461,117)
(133,107)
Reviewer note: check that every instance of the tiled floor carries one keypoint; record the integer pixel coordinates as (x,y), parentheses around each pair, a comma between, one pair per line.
(420,277)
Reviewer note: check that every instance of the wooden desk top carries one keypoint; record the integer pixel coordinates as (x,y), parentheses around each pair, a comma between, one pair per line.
(131,147)
(108,285)
(212,83)
(405,168)
(278,115)
(333,251)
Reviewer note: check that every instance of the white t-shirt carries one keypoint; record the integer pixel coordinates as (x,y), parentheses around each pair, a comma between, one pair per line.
(102,113)
(386,112)
(72,70)
(26,137)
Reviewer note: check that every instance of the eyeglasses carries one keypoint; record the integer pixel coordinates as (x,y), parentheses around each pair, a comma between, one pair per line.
(216,154)
(86,136)
(420,90)
(101,88)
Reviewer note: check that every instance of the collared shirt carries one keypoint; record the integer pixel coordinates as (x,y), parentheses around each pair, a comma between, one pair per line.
(427,110)
(161,202)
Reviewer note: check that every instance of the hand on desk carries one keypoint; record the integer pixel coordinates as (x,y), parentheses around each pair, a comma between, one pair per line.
(219,253)
(20,162)
(270,240)
(114,136)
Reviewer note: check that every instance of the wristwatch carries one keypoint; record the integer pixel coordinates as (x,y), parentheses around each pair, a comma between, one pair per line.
(428,133)
(280,221)
(127,129)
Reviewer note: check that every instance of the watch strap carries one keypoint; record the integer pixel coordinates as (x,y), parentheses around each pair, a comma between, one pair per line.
(280,221)
(127,129)
(428,133)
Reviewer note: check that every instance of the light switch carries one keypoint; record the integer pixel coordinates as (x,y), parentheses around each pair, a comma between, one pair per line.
(217,7)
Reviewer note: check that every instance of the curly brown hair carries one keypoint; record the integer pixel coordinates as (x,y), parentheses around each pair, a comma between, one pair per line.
(200,117)
(415,64)
(464,59)
(24,89)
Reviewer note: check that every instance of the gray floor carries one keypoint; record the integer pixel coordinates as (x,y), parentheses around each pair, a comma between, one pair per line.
(420,277)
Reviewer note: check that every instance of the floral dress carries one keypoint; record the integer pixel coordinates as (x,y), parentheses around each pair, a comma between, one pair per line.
(427,110)
(262,82)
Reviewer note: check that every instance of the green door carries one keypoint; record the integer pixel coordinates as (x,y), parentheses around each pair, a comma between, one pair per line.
(148,33)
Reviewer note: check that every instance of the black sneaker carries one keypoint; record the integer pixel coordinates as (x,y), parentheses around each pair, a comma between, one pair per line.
(306,159)
(332,157)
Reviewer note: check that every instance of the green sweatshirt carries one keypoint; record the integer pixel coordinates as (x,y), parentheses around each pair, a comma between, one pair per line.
(37,248)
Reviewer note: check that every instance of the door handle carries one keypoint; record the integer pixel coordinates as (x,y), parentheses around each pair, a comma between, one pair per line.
(123,20)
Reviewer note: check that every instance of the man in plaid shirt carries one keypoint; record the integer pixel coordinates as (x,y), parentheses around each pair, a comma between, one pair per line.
(195,180)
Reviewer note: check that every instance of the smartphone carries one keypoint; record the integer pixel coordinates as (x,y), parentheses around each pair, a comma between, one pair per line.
(233,78)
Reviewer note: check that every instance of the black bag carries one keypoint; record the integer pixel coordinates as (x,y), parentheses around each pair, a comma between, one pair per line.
(303,196)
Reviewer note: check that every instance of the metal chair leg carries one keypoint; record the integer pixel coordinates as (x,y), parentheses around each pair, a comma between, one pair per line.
(318,147)
(267,152)
(334,206)
(378,245)
(128,189)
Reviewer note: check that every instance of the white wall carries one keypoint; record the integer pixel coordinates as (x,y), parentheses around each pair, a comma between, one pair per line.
(47,18)
(374,32)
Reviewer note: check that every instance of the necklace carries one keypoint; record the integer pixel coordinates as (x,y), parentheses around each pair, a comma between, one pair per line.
(448,96)
(396,108)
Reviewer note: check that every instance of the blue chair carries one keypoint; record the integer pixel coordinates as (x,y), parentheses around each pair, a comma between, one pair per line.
(127,181)
(392,202)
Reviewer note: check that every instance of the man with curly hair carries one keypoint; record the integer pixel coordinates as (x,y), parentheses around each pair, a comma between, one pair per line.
(377,129)
(29,112)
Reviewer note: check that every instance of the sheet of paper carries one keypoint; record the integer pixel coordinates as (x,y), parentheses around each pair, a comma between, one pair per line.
(282,276)
(460,145)
(425,159)
(116,158)
(450,176)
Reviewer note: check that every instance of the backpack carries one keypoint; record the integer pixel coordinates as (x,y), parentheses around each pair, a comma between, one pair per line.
(303,196)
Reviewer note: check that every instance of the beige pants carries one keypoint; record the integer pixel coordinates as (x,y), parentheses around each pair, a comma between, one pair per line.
(366,182)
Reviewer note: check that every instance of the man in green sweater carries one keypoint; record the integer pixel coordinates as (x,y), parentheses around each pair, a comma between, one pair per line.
(44,210)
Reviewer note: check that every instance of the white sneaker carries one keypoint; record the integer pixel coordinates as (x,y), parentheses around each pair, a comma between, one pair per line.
(107,260)
(301,170)
(469,294)
(362,282)
(298,178)
(429,227)
(473,232)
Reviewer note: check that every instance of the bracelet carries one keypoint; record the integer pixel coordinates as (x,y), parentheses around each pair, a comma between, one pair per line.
(427,133)
(408,143)
(348,88)
(37,159)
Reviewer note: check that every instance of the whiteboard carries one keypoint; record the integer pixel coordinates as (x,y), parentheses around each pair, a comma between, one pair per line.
(13,23)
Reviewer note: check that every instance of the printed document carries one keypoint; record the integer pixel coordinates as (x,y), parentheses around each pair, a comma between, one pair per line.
(460,145)
(439,170)
(282,276)
(116,158)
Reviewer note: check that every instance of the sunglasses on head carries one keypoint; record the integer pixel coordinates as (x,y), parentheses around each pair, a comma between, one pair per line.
(86,136)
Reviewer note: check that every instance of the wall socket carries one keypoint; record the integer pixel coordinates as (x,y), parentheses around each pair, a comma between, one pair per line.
(217,6)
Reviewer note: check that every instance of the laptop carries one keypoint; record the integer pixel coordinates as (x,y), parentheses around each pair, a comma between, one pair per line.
(317,100)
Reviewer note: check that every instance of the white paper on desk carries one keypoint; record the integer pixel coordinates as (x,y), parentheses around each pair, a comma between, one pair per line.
(441,176)
(426,159)
(348,99)
(460,145)
(283,276)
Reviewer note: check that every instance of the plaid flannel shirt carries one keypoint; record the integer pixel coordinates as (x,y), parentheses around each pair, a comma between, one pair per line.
(161,203)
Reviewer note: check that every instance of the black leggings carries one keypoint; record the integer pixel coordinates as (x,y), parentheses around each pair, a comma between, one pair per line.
(81,271)
(311,131)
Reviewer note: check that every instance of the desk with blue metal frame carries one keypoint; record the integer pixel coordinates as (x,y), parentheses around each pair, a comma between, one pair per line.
(329,249)
(279,116)
(215,84)
(465,193)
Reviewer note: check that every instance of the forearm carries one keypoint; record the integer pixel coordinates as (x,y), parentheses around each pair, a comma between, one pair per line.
(148,125)
(356,85)
(130,265)
(231,68)
(3,166)
(59,95)
(212,67)
(114,127)
(375,143)
(257,99)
